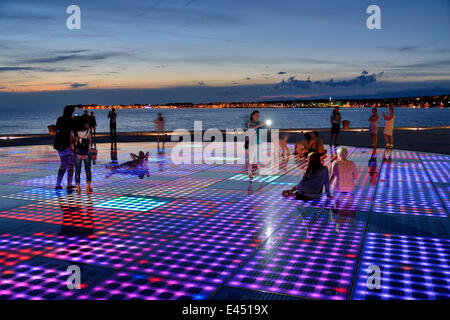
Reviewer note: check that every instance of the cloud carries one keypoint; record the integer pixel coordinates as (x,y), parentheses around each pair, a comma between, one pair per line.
(189,3)
(248,78)
(75,56)
(15,68)
(360,81)
(78,85)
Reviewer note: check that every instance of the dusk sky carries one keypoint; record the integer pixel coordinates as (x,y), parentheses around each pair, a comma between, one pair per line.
(158,51)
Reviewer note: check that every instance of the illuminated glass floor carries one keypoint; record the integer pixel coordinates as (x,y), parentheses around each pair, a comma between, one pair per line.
(207,232)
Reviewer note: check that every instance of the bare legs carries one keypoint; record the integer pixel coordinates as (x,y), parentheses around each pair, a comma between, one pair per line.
(334,139)
(374,140)
(387,138)
(159,137)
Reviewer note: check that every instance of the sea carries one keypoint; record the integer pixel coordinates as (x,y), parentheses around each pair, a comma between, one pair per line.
(36,120)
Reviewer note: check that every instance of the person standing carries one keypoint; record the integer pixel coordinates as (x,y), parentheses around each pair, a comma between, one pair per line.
(373,126)
(159,123)
(82,147)
(64,145)
(254,125)
(112,115)
(335,126)
(93,125)
(389,128)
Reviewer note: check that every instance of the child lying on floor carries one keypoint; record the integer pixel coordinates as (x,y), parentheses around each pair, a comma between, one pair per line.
(137,166)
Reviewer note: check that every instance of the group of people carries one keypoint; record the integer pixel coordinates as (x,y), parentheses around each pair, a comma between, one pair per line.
(336,121)
(342,178)
(73,142)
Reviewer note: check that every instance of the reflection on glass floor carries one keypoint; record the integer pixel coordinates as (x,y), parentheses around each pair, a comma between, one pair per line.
(206,232)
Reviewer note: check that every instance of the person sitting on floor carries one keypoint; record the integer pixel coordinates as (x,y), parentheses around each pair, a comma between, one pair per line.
(314,180)
(316,144)
(302,148)
(343,172)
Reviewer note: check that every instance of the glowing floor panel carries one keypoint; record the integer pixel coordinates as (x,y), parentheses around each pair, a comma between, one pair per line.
(194,232)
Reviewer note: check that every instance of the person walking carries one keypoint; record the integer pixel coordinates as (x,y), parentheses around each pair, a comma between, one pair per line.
(335,120)
(82,147)
(93,125)
(112,115)
(64,145)
(373,127)
(159,123)
(388,131)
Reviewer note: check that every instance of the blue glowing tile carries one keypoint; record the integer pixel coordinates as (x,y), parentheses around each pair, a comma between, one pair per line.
(443,189)
(407,250)
(410,267)
(133,203)
(193,261)
(132,286)
(37,194)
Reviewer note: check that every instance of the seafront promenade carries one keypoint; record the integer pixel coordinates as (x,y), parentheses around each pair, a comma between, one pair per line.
(426,139)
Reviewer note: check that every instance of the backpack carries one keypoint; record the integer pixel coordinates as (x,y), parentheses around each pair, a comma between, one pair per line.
(62,137)
(82,145)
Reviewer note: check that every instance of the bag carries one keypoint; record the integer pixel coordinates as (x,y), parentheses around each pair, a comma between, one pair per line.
(61,142)
(82,145)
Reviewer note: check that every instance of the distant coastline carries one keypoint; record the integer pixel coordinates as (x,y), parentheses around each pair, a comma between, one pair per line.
(442,101)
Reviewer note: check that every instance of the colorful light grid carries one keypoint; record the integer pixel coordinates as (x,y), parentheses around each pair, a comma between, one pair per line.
(105,249)
(192,207)
(44,279)
(303,275)
(410,267)
(132,286)
(191,261)
(157,224)
(190,230)
(132,203)
(407,250)
(244,177)
(235,232)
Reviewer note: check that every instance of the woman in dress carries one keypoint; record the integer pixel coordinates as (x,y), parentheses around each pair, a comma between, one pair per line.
(373,127)
(254,126)
(389,128)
